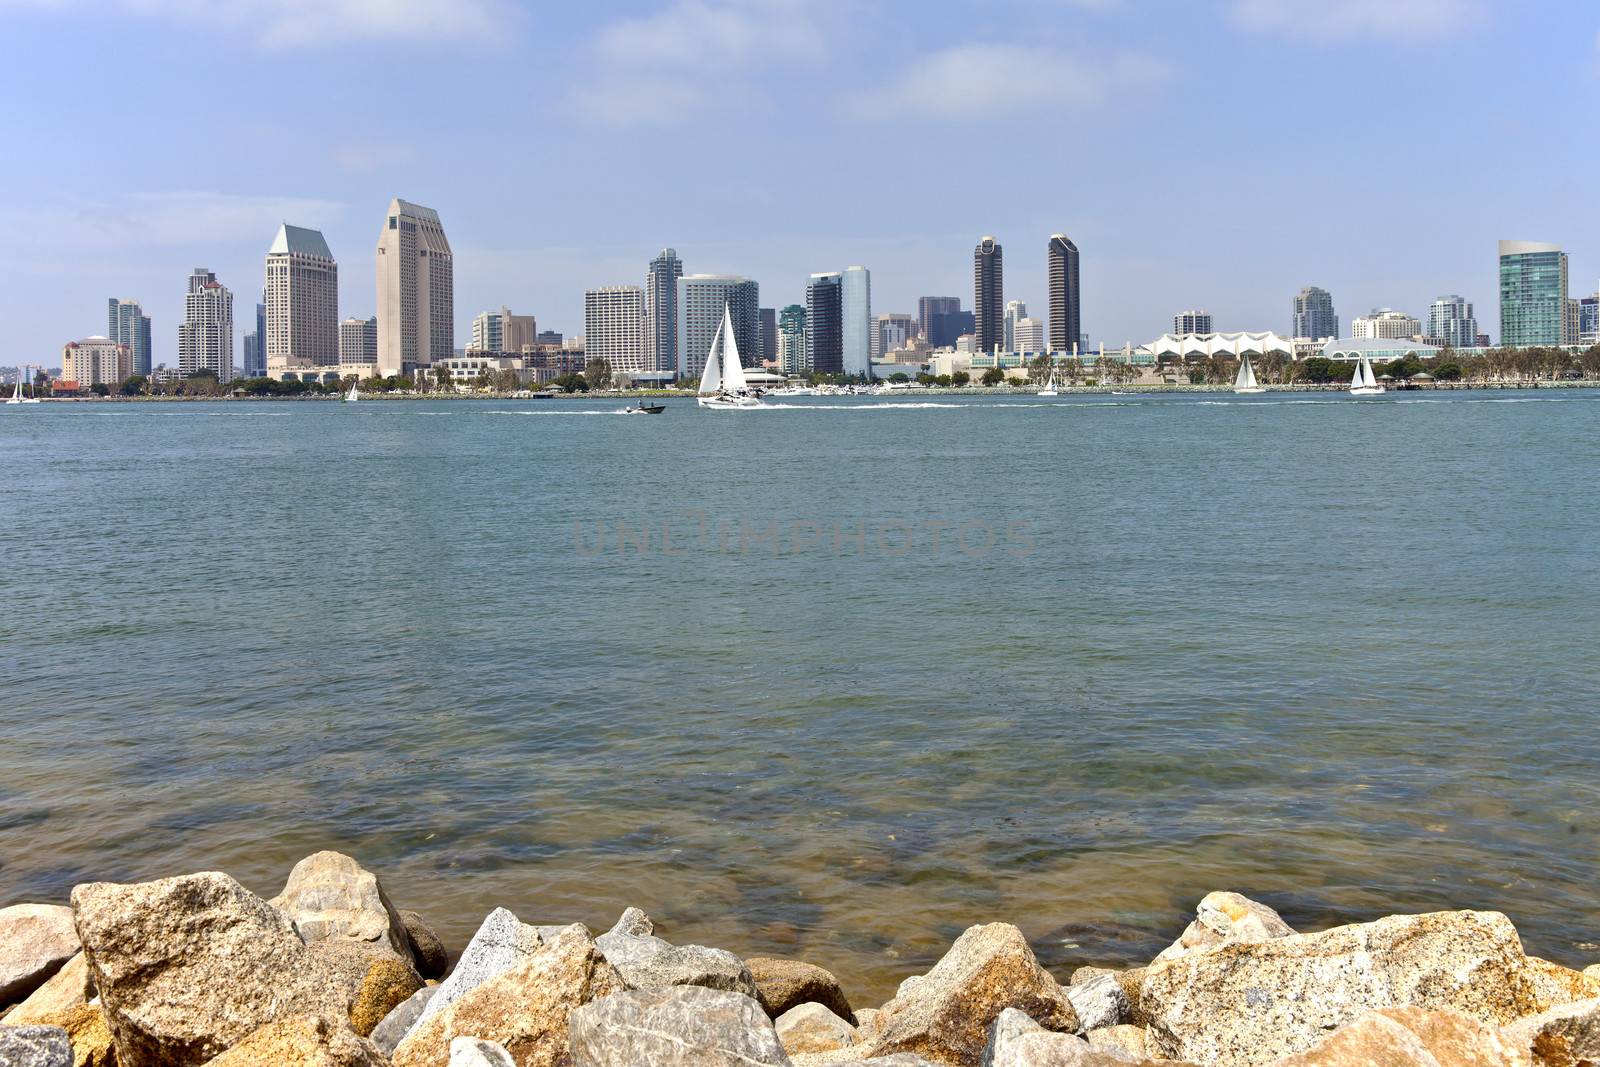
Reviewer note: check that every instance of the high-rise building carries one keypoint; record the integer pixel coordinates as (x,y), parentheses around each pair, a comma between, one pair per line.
(1194,321)
(487,334)
(988,296)
(550,337)
(701,298)
(928,307)
(1533,293)
(769,335)
(127,324)
(501,331)
(1385,324)
(792,358)
(95,361)
(944,328)
(205,339)
(1015,309)
(825,322)
(856,320)
(358,340)
(661,309)
(1451,322)
(1572,326)
(890,332)
(416,289)
(1589,320)
(1066,314)
(1028,335)
(302,298)
(1314,316)
(614,328)
(255,345)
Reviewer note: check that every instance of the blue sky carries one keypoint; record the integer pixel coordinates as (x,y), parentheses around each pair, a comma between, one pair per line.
(1202,153)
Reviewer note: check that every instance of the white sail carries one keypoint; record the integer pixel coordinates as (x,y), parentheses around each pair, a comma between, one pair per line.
(353,395)
(711,377)
(1358,381)
(1246,378)
(1367,378)
(733,379)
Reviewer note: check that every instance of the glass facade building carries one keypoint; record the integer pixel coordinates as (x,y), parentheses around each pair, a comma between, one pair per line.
(1451,322)
(792,340)
(1066,317)
(825,322)
(1314,316)
(1533,294)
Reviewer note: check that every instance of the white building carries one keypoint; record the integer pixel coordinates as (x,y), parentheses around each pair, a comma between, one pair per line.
(205,337)
(302,298)
(855,303)
(701,298)
(1384,324)
(614,328)
(1194,321)
(416,290)
(95,361)
(1194,347)
(501,331)
(358,340)
(1451,321)
(1015,311)
(1027,335)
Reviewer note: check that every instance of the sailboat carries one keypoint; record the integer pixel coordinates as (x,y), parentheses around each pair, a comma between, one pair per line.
(1246,380)
(1049,386)
(352,396)
(16,394)
(722,384)
(1362,383)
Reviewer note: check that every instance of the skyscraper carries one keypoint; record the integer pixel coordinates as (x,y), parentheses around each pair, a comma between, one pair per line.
(1028,335)
(945,328)
(769,335)
(501,331)
(127,324)
(1314,316)
(95,361)
(1187,322)
(255,345)
(416,289)
(1066,314)
(1386,324)
(486,333)
(928,307)
(613,328)
(661,310)
(1589,320)
(701,298)
(1451,322)
(358,340)
(792,340)
(890,332)
(302,298)
(1015,309)
(988,296)
(825,322)
(856,320)
(1533,293)
(205,338)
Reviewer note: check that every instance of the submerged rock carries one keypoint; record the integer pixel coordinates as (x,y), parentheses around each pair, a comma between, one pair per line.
(34,1046)
(783,984)
(35,940)
(682,1026)
(303,1041)
(648,962)
(426,949)
(331,896)
(66,989)
(501,943)
(811,1027)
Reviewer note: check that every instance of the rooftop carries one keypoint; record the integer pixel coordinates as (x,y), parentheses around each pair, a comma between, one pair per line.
(296,240)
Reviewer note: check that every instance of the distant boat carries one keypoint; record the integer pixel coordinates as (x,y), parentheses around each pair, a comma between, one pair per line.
(16,394)
(1049,386)
(644,409)
(1246,380)
(352,396)
(1363,383)
(722,384)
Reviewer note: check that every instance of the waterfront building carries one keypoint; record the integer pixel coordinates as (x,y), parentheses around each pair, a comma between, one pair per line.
(486,333)
(769,335)
(1384,324)
(856,320)
(1589,320)
(1028,335)
(1376,349)
(701,298)
(95,361)
(358,340)
(967,343)
(1571,327)
(614,328)
(127,324)
(416,289)
(891,332)
(205,338)
(928,307)
(1533,293)
(302,298)
(1192,347)
(988,295)
(1066,314)
(1314,316)
(661,310)
(501,331)
(792,357)
(825,322)
(1452,323)
(1191,322)
(1015,309)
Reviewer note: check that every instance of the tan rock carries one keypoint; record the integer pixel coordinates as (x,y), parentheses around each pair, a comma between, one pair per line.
(426,947)
(782,984)
(1565,1036)
(1241,1004)
(1411,1036)
(1131,980)
(387,984)
(35,940)
(1592,971)
(1227,918)
(946,1016)
(66,989)
(524,1009)
(679,1026)
(1133,1040)
(330,895)
(869,1021)
(810,1027)
(1017,1041)
(187,967)
(1370,1041)
(86,1029)
(1555,985)
(302,1041)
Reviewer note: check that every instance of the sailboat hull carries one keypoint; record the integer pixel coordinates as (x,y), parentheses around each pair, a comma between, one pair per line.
(1367,390)
(1248,390)
(728,403)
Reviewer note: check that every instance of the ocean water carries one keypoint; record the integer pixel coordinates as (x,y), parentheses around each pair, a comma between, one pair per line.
(1337,654)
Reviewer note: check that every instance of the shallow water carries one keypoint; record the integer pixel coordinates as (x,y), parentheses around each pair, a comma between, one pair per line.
(1336,654)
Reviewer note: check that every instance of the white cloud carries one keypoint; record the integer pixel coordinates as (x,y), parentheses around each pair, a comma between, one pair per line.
(1352,18)
(147,220)
(1001,81)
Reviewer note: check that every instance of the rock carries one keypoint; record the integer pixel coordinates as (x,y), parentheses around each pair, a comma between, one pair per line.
(387,984)
(1129,981)
(1099,1002)
(66,989)
(1131,1040)
(34,1046)
(868,1022)
(471,1052)
(1247,1003)
(525,1009)
(502,942)
(947,1015)
(782,984)
(811,1027)
(1017,1041)
(388,1033)
(682,1026)
(302,1041)
(187,967)
(1592,971)
(426,949)
(1409,1037)
(330,895)
(88,1034)
(1561,1037)
(35,940)
(1555,985)
(648,962)
(1227,918)
(845,1058)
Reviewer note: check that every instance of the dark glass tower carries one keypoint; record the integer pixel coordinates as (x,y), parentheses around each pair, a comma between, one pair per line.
(1066,318)
(988,296)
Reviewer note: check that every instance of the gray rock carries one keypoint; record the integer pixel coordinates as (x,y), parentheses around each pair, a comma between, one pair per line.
(647,962)
(66,989)
(811,1027)
(331,896)
(1099,1002)
(471,1052)
(1017,1041)
(398,1023)
(432,959)
(501,943)
(782,984)
(684,1026)
(1573,1029)
(34,1046)
(35,940)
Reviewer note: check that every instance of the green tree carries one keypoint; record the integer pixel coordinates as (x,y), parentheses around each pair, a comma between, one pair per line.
(597,374)
(899,376)
(926,379)
(100,389)
(133,386)
(945,379)
(441,378)
(960,377)
(1039,367)
(993,376)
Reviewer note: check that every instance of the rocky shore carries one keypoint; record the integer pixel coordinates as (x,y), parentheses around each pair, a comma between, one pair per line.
(196,970)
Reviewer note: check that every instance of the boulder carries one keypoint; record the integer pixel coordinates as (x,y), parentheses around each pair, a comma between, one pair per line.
(1592,971)
(1227,918)
(34,1046)
(472,1052)
(947,1015)
(303,1041)
(187,967)
(66,989)
(1129,981)
(35,940)
(1130,1040)
(524,1009)
(682,1026)
(426,949)
(1099,1002)
(387,984)
(1555,985)
(782,984)
(502,942)
(1409,1037)
(388,1033)
(1017,1041)
(330,895)
(1561,1037)
(868,1023)
(846,1059)
(1246,1003)
(647,962)
(811,1027)
(88,1034)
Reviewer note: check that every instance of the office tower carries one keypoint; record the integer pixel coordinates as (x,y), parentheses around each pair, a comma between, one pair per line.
(1533,293)
(988,296)
(1571,325)
(1015,309)
(825,322)
(1187,322)
(95,361)
(614,330)
(1385,324)
(487,335)
(792,358)
(550,337)
(205,339)
(1066,314)
(891,332)
(127,324)
(358,340)
(661,309)
(769,335)
(1028,335)
(1451,322)
(501,331)
(701,298)
(1314,315)
(416,290)
(255,345)
(856,320)
(1589,320)
(944,328)
(302,299)
(928,307)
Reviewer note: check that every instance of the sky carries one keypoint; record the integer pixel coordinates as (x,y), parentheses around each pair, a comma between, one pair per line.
(1215,154)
